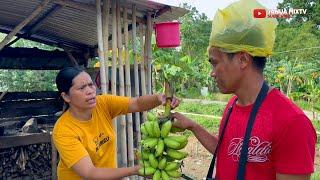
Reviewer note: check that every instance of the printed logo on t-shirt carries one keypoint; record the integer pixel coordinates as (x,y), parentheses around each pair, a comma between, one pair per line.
(258,150)
(100,140)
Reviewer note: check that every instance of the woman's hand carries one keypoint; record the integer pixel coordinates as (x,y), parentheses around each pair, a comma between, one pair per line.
(174,101)
(181,121)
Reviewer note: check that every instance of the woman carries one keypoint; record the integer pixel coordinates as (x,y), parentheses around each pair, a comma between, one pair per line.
(84,136)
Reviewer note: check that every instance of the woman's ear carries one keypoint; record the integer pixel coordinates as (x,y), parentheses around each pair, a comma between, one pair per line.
(65,97)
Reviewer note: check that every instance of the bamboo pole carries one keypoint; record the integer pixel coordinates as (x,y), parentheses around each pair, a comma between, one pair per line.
(36,12)
(105,31)
(100,48)
(128,88)
(148,53)
(143,68)
(114,66)
(123,125)
(136,71)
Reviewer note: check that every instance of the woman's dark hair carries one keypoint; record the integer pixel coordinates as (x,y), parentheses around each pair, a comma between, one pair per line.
(65,77)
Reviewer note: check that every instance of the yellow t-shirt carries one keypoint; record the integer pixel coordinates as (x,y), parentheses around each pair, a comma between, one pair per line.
(75,139)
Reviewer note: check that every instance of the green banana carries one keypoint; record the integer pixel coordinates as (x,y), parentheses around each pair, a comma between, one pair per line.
(171,166)
(175,174)
(157,175)
(176,154)
(150,143)
(164,175)
(145,164)
(159,148)
(146,171)
(176,129)
(145,155)
(182,145)
(153,161)
(151,116)
(165,129)
(144,130)
(149,128)
(180,139)
(162,163)
(156,129)
(171,143)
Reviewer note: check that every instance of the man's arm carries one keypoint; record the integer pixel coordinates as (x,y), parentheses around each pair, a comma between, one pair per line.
(209,141)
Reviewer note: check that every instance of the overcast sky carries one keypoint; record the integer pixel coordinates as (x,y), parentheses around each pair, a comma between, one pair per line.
(209,7)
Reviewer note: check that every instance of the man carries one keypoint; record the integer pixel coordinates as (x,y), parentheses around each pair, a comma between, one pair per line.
(282,141)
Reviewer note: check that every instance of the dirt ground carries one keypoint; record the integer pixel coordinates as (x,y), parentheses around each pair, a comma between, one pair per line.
(196,165)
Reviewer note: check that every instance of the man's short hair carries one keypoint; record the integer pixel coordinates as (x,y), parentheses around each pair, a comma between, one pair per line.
(258,62)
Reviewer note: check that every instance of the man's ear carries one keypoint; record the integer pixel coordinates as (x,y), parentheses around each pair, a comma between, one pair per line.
(65,97)
(244,59)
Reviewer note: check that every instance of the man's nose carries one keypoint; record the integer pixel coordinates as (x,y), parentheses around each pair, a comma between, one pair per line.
(213,74)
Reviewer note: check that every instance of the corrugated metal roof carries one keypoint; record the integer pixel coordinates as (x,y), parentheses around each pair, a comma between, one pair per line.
(73,22)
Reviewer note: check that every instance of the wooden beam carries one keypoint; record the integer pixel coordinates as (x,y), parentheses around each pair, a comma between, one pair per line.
(148,53)
(159,12)
(37,11)
(105,31)
(24,139)
(36,59)
(71,57)
(136,73)
(100,48)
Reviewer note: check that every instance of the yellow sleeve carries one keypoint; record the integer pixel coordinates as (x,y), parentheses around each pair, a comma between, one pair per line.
(115,105)
(69,147)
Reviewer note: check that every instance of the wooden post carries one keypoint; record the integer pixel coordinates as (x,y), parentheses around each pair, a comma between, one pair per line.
(123,125)
(128,88)
(136,71)
(100,48)
(37,11)
(149,53)
(114,66)
(53,161)
(143,67)
(106,12)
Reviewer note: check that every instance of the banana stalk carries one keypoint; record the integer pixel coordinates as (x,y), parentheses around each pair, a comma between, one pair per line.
(168,90)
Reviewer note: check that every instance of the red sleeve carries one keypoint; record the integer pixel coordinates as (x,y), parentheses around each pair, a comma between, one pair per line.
(294,149)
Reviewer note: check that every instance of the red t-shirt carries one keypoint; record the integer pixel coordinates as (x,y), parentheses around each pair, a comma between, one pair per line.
(282,140)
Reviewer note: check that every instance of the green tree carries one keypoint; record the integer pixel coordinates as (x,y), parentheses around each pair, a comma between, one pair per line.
(313,12)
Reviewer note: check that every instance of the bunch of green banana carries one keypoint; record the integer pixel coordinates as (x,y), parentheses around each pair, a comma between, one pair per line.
(160,156)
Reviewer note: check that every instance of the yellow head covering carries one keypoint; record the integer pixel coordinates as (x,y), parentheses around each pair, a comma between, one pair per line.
(235,29)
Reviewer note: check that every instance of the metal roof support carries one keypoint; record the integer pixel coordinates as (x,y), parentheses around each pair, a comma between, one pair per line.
(37,11)
(37,24)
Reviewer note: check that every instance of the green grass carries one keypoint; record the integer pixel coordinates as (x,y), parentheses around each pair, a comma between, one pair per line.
(315,175)
(197,108)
